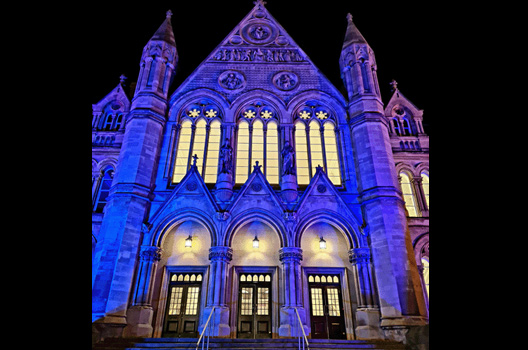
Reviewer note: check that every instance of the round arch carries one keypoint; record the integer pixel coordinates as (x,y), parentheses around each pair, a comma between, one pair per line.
(349,231)
(248,217)
(156,235)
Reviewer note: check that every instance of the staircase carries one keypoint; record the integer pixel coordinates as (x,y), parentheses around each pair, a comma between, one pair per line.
(242,344)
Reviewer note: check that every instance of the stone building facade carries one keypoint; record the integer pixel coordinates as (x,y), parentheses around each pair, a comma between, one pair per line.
(256,191)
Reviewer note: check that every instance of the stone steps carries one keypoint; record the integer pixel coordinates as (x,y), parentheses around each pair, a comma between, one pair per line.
(242,344)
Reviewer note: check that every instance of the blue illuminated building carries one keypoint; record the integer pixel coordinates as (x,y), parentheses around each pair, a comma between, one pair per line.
(258,190)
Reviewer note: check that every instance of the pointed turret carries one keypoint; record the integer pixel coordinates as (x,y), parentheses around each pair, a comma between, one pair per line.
(165,31)
(159,61)
(353,35)
(359,68)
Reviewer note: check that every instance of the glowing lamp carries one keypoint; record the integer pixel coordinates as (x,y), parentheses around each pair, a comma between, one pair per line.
(256,243)
(188,242)
(322,244)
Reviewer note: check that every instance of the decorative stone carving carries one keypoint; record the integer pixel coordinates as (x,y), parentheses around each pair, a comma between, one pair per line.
(224,254)
(286,81)
(259,33)
(232,80)
(259,55)
(150,254)
(288,160)
(226,158)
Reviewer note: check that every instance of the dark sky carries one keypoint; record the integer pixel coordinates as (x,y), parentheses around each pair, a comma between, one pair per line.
(400,32)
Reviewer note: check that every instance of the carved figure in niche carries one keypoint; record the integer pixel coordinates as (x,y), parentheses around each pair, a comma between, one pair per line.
(259,33)
(288,160)
(226,158)
(232,82)
(286,81)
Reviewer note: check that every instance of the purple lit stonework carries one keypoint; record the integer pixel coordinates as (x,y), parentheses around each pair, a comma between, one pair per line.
(257,142)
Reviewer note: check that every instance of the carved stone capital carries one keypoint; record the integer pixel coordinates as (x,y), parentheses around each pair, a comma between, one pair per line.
(223,254)
(291,255)
(150,254)
(360,256)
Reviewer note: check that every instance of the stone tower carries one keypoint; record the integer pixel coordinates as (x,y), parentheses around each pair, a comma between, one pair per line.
(131,193)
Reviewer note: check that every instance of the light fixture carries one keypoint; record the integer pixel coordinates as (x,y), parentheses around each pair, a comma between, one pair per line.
(322,244)
(188,242)
(256,243)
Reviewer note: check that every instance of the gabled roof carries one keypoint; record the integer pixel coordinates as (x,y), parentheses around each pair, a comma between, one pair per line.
(190,193)
(257,189)
(322,190)
(399,99)
(117,96)
(258,54)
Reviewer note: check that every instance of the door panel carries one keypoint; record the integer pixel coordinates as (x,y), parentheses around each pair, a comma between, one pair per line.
(183,307)
(254,319)
(328,321)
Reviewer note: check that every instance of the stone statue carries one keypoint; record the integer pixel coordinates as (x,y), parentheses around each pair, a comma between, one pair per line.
(226,158)
(288,160)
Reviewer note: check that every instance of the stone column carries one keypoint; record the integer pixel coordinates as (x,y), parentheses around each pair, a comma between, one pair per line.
(220,258)
(292,276)
(141,314)
(368,314)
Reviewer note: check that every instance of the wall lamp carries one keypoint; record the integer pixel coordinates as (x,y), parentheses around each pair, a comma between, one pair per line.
(256,243)
(188,242)
(322,244)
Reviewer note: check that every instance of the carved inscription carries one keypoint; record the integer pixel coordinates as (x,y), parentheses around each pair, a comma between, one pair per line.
(259,55)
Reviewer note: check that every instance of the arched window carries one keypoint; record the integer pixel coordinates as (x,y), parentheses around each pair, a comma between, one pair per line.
(272,150)
(213,152)
(258,141)
(200,135)
(242,172)
(119,122)
(183,156)
(408,194)
(425,184)
(425,264)
(103,191)
(397,128)
(332,154)
(316,144)
(406,127)
(257,146)
(108,122)
(303,158)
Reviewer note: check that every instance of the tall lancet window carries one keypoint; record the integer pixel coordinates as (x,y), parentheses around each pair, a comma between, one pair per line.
(200,135)
(425,184)
(258,141)
(408,194)
(316,144)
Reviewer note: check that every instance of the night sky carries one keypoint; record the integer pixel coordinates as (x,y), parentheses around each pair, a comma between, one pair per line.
(400,33)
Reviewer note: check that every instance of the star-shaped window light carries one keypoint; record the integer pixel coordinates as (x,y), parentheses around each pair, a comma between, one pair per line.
(266,114)
(211,113)
(322,115)
(305,115)
(194,113)
(250,114)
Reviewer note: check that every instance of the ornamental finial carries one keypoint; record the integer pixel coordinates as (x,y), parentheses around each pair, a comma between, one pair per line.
(122,79)
(260,3)
(350,18)
(394,85)
(169,14)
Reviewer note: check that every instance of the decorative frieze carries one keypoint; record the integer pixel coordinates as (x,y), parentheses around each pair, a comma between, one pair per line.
(259,55)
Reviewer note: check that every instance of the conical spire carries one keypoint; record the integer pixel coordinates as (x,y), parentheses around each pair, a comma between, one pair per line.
(165,31)
(353,35)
